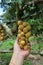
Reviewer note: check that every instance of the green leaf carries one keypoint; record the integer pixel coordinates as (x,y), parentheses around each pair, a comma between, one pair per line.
(39,27)
(32,38)
(7,44)
(19,1)
(35,47)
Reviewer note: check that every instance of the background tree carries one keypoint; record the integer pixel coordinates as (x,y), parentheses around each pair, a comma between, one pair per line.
(30,11)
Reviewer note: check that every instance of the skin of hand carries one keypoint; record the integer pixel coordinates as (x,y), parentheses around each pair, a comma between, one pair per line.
(18,54)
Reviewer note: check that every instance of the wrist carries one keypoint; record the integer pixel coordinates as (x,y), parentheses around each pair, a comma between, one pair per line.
(18,59)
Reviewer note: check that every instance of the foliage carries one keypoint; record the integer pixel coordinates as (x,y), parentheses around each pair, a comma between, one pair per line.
(18,9)
(5,58)
(8,44)
(27,62)
(10,12)
(36,26)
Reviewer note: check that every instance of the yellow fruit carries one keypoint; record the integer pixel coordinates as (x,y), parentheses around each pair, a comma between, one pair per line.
(20,27)
(23,38)
(22,33)
(2,30)
(19,36)
(21,46)
(28,34)
(25,30)
(19,22)
(25,24)
(19,31)
(25,47)
(28,27)
(1,38)
(22,42)
(2,34)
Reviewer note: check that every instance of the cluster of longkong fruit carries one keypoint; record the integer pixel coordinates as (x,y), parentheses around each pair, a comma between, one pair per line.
(1,33)
(24,32)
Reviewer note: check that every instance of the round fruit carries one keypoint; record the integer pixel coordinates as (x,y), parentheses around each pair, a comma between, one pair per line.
(2,30)
(19,31)
(23,38)
(2,34)
(1,38)
(19,22)
(28,34)
(28,27)
(22,33)
(25,30)
(20,27)
(19,36)
(25,47)
(22,42)
(25,24)
(21,46)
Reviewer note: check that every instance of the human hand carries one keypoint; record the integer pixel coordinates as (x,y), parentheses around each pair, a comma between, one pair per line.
(20,51)
(18,54)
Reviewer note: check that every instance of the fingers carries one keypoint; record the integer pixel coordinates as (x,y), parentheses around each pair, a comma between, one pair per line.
(16,46)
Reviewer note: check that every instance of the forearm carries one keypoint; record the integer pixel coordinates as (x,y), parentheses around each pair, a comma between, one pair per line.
(16,60)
